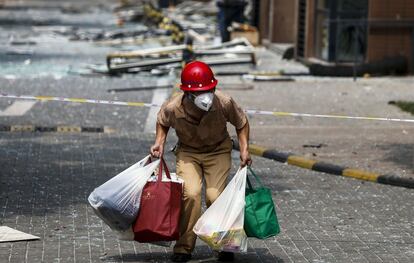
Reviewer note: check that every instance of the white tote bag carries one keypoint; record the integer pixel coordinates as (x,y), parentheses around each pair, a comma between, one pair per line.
(221,225)
(116,202)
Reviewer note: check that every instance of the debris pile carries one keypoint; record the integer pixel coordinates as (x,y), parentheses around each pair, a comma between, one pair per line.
(188,39)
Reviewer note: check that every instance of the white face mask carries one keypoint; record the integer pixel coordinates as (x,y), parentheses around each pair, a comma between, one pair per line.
(204,101)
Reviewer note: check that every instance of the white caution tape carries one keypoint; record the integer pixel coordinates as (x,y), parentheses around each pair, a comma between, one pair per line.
(49,98)
(293,114)
(142,104)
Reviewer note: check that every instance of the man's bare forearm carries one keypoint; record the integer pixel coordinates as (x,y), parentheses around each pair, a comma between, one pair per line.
(243,136)
(161,134)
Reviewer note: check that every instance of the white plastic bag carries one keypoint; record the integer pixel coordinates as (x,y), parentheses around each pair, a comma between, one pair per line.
(116,202)
(221,225)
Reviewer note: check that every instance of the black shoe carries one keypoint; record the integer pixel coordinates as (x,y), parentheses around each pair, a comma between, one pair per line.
(225,256)
(180,257)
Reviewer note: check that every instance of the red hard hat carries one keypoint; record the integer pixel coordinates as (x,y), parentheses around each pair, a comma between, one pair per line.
(197,76)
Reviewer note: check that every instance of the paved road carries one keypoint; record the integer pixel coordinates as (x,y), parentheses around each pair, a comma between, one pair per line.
(45,178)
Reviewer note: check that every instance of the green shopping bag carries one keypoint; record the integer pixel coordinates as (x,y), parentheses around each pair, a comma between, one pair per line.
(260,218)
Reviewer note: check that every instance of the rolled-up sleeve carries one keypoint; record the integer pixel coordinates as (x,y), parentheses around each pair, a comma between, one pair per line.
(235,114)
(165,115)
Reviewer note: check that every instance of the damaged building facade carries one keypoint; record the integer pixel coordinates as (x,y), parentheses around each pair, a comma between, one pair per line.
(343,37)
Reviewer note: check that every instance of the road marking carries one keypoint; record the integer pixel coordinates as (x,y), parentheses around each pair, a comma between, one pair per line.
(359,174)
(159,96)
(256,150)
(18,108)
(300,161)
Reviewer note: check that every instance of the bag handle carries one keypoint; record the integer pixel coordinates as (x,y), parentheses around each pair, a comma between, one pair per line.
(255,176)
(148,161)
(167,172)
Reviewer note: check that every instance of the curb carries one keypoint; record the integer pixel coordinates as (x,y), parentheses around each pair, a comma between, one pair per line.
(60,129)
(328,168)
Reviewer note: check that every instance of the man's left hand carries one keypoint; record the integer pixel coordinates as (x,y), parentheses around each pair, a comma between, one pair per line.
(245,158)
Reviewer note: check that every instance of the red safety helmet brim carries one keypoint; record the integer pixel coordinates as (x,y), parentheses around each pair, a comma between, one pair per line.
(210,86)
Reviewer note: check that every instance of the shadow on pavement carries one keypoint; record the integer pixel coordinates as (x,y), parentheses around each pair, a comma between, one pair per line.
(164,257)
(400,154)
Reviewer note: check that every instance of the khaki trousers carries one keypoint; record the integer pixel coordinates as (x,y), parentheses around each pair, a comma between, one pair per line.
(214,168)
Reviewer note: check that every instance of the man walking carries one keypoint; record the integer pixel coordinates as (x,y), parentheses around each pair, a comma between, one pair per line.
(199,116)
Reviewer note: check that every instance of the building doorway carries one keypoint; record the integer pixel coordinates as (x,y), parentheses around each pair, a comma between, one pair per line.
(341,30)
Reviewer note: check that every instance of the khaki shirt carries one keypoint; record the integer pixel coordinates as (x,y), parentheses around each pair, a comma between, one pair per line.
(210,133)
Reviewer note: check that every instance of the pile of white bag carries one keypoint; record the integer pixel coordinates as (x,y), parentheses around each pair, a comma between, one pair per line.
(117,202)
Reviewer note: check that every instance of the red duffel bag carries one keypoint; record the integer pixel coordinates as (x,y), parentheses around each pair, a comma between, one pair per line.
(159,212)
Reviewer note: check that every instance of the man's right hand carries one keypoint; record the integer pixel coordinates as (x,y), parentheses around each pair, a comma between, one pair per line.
(157,150)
